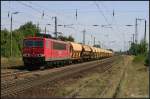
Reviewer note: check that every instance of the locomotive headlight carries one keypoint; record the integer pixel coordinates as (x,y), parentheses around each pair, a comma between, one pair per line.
(26,55)
(40,55)
(36,55)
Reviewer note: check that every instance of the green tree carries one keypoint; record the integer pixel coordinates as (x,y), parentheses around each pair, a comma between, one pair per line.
(70,38)
(110,50)
(137,49)
(5,43)
(147,59)
(28,29)
(96,45)
(64,38)
(142,48)
(133,49)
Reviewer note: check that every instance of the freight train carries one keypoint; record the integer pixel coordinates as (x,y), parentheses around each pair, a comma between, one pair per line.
(41,51)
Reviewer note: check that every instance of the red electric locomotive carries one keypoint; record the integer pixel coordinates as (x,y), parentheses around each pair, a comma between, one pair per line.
(39,50)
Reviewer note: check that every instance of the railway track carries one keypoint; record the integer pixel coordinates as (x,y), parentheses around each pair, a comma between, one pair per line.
(14,74)
(16,87)
(75,93)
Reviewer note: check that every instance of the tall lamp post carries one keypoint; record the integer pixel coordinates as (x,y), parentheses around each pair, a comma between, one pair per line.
(11,31)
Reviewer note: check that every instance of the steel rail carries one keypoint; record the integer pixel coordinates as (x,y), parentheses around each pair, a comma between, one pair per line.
(33,82)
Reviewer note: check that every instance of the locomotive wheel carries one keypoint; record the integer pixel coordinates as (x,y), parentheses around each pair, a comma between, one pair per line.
(55,64)
(42,67)
(28,66)
(32,67)
(62,63)
(59,63)
(50,64)
(67,62)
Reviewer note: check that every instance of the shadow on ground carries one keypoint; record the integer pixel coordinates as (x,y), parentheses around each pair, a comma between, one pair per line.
(19,67)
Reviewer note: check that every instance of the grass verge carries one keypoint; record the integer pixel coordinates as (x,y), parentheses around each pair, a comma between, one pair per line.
(11,62)
(139,58)
(135,83)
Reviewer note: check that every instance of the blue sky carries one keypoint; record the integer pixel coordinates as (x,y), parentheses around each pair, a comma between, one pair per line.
(88,15)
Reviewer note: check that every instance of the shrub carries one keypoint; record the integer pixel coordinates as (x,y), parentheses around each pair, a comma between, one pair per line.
(147,60)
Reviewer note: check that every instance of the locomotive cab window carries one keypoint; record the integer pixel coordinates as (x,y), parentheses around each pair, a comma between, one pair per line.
(59,46)
(33,43)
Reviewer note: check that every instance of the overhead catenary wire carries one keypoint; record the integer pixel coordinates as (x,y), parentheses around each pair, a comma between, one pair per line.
(101,12)
(37,10)
(28,14)
(111,14)
(59,14)
(41,12)
(31,7)
(47,11)
(66,16)
(113,20)
(69,17)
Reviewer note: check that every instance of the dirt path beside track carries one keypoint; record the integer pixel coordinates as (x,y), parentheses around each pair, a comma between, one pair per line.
(135,81)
